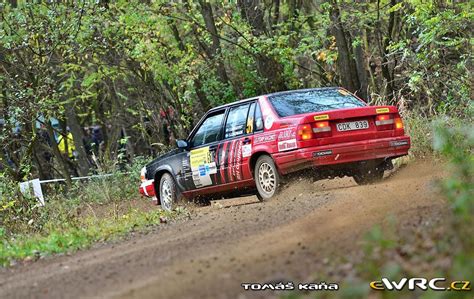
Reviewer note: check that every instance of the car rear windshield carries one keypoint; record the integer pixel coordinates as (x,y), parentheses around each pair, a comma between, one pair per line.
(306,101)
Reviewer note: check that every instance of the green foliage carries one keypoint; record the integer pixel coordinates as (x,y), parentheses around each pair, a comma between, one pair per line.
(101,209)
(16,211)
(153,68)
(420,130)
(126,64)
(439,35)
(70,236)
(455,143)
(122,185)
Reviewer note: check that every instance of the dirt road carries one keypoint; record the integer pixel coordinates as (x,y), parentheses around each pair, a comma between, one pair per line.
(234,241)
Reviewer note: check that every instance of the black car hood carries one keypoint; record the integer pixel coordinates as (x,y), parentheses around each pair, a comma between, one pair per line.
(162,157)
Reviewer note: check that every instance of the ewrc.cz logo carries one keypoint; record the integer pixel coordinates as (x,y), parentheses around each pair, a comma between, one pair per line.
(435,284)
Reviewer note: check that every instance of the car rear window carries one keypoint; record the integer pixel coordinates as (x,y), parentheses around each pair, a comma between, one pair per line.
(300,102)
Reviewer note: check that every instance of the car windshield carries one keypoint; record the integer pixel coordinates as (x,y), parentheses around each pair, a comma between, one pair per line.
(316,100)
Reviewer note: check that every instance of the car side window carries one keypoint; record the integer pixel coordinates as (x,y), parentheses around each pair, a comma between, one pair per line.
(258,118)
(250,119)
(236,121)
(209,130)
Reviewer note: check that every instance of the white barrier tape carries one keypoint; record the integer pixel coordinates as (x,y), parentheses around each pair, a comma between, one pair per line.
(25,187)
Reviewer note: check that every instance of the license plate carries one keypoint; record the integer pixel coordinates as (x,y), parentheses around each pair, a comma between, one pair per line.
(353,125)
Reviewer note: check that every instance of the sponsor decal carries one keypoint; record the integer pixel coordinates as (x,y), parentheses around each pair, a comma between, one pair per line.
(217,175)
(286,145)
(238,161)
(322,153)
(230,160)
(264,138)
(235,160)
(185,164)
(382,110)
(419,283)
(246,150)
(290,286)
(269,122)
(321,117)
(222,162)
(202,166)
(399,143)
(287,134)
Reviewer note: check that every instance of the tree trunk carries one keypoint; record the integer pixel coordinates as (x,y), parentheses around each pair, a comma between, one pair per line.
(251,11)
(383,43)
(78,136)
(205,105)
(176,35)
(215,49)
(360,61)
(57,154)
(294,7)
(347,67)
(267,66)
(276,14)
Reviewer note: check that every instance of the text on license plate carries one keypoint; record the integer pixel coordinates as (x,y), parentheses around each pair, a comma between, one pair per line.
(353,125)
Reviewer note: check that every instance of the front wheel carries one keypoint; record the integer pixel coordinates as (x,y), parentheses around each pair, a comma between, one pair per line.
(167,192)
(369,175)
(267,178)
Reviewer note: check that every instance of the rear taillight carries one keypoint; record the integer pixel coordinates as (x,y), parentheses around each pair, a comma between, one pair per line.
(384,122)
(322,129)
(398,123)
(305,132)
(322,126)
(314,130)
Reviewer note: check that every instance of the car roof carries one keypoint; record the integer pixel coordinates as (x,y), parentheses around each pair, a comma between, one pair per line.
(269,94)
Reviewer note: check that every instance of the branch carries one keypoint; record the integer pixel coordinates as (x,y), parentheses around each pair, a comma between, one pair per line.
(192,21)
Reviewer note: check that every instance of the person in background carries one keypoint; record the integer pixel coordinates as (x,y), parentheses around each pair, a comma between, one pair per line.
(87,133)
(69,151)
(97,139)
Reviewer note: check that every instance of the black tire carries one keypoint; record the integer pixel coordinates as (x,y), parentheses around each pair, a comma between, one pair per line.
(266,177)
(369,175)
(168,196)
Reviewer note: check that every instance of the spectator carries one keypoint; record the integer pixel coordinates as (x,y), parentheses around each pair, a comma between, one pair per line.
(69,151)
(97,139)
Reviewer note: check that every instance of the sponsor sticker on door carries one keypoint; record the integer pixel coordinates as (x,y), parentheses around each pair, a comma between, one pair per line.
(246,150)
(286,145)
(202,166)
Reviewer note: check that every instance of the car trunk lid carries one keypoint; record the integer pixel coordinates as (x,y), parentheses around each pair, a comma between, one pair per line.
(354,124)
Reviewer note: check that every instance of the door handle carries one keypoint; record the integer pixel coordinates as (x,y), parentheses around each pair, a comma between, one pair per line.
(246,141)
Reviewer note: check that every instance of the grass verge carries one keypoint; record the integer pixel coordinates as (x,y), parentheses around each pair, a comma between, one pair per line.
(94,211)
(87,231)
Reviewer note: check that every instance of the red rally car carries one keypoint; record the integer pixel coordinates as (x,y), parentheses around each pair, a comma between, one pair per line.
(249,146)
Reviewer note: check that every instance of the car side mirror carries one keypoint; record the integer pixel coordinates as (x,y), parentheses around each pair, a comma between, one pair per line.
(180,143)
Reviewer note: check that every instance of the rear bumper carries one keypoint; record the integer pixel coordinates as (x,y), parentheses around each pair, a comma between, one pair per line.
(342,153)
(147,188)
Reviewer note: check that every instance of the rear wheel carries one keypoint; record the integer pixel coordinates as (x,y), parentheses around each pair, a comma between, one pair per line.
(167,192)
(267,178)
(369,175)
